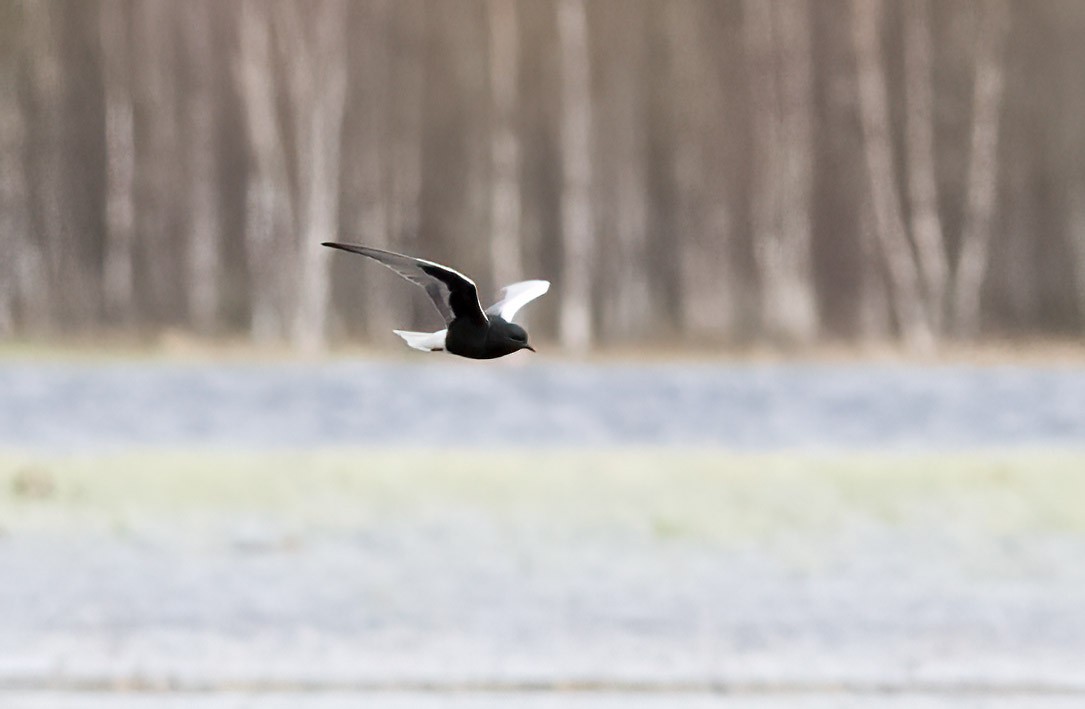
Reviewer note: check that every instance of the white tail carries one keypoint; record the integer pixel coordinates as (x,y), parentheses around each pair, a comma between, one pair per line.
(425,341)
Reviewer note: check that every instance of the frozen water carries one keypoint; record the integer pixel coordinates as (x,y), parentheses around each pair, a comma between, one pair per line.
(79,407)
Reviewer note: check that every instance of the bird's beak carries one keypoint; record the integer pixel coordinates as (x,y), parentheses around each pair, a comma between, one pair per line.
(529,347)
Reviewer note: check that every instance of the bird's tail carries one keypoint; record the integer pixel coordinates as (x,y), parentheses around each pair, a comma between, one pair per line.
(425,341)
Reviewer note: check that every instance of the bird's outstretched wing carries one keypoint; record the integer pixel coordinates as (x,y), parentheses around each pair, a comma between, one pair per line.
(454,294)
(515,297)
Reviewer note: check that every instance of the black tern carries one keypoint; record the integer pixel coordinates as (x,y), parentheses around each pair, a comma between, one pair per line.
(470,331)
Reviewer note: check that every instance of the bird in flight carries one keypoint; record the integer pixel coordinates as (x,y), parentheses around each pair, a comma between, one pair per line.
(470,331)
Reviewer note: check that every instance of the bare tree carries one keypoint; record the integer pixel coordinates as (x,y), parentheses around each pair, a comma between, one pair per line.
(919,140)
(204,267)
(505,238)
(47,80)
(269,208)
(13,221)
(982,182)
(317,83)
(778,47)
(874,306)
(855,296)
(158,213)
(409,27)
(703,213)
(20,270)
(469,221)
(366,190)
(118,286)
(892,237)
(796,315)
(576,213)
(1076,229)
(621,194)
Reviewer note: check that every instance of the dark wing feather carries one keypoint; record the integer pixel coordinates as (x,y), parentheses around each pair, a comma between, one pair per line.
(454,294)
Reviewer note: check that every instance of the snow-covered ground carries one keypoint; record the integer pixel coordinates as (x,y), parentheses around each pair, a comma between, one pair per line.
(472,579)
(541,535)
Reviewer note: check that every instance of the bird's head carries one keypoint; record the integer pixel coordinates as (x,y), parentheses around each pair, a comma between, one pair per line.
(517,337)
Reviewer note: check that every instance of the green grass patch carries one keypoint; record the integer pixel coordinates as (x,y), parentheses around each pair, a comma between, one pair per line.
(707,496)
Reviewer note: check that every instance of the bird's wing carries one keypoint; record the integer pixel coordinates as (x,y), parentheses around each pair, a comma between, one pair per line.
(517,296)
(454,294)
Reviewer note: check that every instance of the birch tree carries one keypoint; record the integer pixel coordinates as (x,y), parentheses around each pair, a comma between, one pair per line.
(13,220)
(203,260)
(158,212)
(504,60)
(796,313)
(1076,229)
(633,310)
(21,277)
(118,287)
(888,220)
(778,50)
(620,197)
(703,213)
(919,140)
(409,28)
(576,328)
(41,260)
(366,166)
(269,222)
(982,184)
(317,86)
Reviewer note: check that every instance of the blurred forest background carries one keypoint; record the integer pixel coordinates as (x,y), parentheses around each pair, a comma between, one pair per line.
(719,171)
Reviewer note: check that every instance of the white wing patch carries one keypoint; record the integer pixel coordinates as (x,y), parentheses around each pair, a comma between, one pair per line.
(425,341)
(517,296)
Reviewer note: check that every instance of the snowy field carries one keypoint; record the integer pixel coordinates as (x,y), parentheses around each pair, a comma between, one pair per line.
(225,536)
(624,573)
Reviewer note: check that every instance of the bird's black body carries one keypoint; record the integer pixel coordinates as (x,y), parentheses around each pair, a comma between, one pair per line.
(471,331)
(496,338)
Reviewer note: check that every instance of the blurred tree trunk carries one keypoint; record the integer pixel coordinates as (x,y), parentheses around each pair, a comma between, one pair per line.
(703,215)
(630,311)
(47,83)
(316,74)
(1076,234)
(875,308)
(576,210)
(119,156)
(919,140)
(13,222)
(407,110)
(366,202)
(22,281)
(158,212)
(467,32)
(269,209)
(505,239)
(118,289)
(204,266)
(1017,270)
(888,221)
(778,46)
(797,312)
(982,184)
